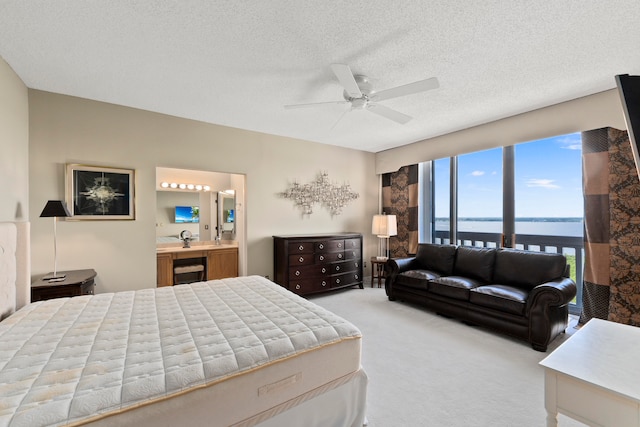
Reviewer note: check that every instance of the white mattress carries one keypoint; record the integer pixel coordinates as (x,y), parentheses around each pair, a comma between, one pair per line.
(245,341)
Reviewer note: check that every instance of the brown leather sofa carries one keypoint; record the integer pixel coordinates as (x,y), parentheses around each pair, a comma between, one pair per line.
(521,293)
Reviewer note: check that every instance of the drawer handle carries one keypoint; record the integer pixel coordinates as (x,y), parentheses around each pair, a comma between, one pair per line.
(337,268)
(297,272)
(339,245)
(356,276)
(357,265)
(300,247)
(321,257)
(324,270)
(337,281)
(297,287)
(339,256)
(324,283)
(321,246)
(301,259)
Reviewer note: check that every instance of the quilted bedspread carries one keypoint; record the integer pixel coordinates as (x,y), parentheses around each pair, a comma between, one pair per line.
(66,360)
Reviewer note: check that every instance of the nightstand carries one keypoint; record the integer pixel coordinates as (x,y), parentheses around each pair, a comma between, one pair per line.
(77,282)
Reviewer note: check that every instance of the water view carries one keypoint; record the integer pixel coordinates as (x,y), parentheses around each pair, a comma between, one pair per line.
(572,227)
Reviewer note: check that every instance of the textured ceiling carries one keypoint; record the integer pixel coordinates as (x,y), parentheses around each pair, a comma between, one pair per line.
(238,63)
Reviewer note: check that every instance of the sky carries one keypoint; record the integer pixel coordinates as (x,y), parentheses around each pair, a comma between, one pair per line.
(548,180)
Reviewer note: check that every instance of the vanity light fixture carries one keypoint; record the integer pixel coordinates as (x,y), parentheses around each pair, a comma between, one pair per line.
(192,187)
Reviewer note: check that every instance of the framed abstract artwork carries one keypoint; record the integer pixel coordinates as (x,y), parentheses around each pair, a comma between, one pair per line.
(100,193)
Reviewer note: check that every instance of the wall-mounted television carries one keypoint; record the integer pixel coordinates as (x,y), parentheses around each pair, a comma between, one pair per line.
(629,90)
(229,215)
(187,214)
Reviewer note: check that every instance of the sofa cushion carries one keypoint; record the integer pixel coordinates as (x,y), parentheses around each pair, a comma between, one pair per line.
(438,258)
(500,297)
(475,263)
(453,287)
(417,279)
(527,269)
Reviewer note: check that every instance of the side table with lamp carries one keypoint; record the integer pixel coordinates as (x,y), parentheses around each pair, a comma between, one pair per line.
(60,284)
(383,226)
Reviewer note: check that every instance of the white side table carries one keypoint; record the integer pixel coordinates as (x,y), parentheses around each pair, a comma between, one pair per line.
(594,377)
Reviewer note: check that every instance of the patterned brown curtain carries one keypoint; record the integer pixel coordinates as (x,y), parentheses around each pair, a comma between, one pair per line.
(612,228)
(400,198)
(595,183)
(624,201)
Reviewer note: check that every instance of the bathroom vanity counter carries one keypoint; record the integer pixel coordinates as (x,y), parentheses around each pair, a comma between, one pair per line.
(219,261)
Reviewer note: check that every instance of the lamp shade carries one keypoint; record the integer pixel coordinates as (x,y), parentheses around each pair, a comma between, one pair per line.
(384,225)
(55,208)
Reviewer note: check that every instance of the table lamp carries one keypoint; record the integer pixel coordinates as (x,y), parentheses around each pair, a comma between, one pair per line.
(384,226)
(54,209)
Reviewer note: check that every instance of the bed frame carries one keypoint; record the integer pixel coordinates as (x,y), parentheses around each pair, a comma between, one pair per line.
(333,403)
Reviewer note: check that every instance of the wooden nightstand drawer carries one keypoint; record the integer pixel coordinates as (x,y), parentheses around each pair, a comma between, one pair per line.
(76,283)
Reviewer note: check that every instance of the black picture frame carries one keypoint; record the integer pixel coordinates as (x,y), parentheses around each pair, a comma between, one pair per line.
(100,193)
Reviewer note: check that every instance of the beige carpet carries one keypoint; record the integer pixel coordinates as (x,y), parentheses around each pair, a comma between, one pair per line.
(427,370)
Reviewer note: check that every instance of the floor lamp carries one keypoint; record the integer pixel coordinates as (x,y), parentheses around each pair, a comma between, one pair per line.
(384,226)
(54,209)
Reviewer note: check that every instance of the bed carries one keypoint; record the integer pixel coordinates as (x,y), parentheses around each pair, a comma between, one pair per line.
(231,352)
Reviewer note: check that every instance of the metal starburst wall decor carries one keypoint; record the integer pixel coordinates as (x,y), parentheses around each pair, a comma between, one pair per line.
(320,192)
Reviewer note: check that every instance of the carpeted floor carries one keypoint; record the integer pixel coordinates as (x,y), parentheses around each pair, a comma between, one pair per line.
(427,370)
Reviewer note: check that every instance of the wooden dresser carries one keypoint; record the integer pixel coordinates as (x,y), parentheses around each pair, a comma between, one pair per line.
(306,264)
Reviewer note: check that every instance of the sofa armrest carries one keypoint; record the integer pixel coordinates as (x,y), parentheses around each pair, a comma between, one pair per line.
(547,309)
(395,266)
(555,293)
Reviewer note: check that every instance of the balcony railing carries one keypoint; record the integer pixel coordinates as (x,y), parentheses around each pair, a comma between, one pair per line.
(567,245)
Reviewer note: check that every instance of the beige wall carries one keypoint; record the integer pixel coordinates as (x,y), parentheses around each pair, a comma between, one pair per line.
(582,114)
(72,130)
(14,146)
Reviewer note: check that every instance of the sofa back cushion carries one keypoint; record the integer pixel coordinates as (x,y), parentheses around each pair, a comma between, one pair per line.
(527,269)
(438,258)
(475,263)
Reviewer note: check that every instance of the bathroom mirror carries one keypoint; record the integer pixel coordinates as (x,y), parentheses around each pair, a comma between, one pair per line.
(226,214)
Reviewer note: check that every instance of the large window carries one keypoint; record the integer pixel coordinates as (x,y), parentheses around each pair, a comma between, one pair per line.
(528,196)
(441,198)
(479,196)
(548,186)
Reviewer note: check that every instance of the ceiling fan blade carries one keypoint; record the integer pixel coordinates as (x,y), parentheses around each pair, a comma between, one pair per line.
(338,121)
(346,79)
(314,104)
(388,113)
(408,89)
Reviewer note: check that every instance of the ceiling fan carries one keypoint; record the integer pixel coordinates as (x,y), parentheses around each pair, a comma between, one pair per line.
(359,92)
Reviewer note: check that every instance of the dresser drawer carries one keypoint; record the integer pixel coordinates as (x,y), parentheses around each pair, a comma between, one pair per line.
(352,244)
(301,259)
(310,285)
(345,279)
(344,267)
(300,247)
(329,246)
(308,271)
(351,253)
(329,257)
